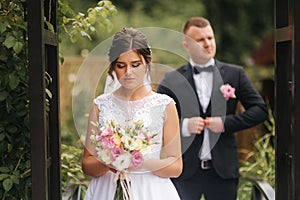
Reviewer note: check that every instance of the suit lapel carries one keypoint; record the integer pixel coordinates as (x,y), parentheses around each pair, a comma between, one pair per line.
(188,74)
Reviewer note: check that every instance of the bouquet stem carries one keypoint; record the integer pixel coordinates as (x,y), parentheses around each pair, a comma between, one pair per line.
(119,192)
(123,190)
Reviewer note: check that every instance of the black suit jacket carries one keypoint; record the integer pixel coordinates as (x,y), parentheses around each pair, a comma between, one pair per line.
(179,84)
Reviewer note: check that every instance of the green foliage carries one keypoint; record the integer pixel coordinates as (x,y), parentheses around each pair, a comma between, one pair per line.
(260,163)
(160,10)
(83,25)
(72,175)
(14,120)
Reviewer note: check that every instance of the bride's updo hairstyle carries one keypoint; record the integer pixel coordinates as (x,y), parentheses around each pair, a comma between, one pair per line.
(125,40)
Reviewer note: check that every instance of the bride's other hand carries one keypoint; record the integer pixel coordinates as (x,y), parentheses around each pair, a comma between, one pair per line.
(91,166)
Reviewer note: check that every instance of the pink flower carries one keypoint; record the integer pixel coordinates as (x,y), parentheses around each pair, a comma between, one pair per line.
(107,143)
(115,152)
(107,131)
(137,158)
(227,91)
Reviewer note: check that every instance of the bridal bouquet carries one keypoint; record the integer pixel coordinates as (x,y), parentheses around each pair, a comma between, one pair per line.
(122,146)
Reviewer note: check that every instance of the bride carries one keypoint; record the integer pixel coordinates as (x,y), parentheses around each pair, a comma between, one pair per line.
(130,58)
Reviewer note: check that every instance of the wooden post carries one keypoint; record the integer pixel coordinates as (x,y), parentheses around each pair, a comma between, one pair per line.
(44,125)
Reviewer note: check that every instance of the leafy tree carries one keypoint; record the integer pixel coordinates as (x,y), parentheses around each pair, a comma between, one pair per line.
(15,165)
(82,25)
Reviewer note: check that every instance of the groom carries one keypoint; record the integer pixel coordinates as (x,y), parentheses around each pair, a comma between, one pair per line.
(208,115)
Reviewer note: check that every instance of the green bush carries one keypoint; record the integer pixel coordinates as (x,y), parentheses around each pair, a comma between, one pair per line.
(15,166)
(72,175)
(260,163)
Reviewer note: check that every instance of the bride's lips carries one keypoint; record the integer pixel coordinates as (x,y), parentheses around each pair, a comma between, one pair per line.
(129,79)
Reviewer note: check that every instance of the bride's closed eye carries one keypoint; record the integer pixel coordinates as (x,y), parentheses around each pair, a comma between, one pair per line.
(133,65)
(120,66)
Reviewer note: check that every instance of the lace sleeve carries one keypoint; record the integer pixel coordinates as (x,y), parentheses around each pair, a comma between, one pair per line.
(166,100)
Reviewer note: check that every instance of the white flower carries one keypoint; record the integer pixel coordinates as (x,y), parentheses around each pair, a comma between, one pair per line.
(122,162)
(138,144)
(104,155)
(93,137)
(128,142)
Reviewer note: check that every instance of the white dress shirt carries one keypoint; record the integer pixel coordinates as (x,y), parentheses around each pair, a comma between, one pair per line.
(203,83)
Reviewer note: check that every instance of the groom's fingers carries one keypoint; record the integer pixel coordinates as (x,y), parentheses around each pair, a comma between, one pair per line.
(215,124)
(195,125)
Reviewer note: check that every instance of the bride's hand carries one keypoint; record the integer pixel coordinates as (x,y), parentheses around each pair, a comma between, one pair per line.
(112,170)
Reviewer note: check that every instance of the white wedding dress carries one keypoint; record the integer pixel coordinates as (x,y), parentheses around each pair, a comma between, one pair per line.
(144,184)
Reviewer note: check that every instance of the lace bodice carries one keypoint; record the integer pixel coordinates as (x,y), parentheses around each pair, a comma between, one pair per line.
(150,109)
(144,184)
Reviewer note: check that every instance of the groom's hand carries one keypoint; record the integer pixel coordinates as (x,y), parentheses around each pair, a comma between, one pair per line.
(196,125)
(215,124)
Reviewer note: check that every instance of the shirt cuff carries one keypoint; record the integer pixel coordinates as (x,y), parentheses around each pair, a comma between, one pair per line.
(184,128)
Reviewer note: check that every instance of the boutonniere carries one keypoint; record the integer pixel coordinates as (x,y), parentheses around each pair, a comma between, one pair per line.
(227,91)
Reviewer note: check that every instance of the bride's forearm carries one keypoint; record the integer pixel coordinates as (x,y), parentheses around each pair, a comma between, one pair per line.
(93,167)
(170,167)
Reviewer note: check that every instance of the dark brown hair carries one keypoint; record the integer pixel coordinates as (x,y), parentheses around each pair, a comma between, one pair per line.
(125,40)
(195,21)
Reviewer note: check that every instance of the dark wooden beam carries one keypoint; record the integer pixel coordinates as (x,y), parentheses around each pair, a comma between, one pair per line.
(287,94)
(44,125)
(296,169)
(37,96)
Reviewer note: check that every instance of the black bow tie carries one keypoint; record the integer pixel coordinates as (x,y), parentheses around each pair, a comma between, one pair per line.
(198,70)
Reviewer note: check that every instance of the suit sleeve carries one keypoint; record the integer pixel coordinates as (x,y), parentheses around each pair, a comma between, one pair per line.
(255,112)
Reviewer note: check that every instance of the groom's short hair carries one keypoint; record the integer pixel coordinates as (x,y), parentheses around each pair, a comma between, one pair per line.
(195,21)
